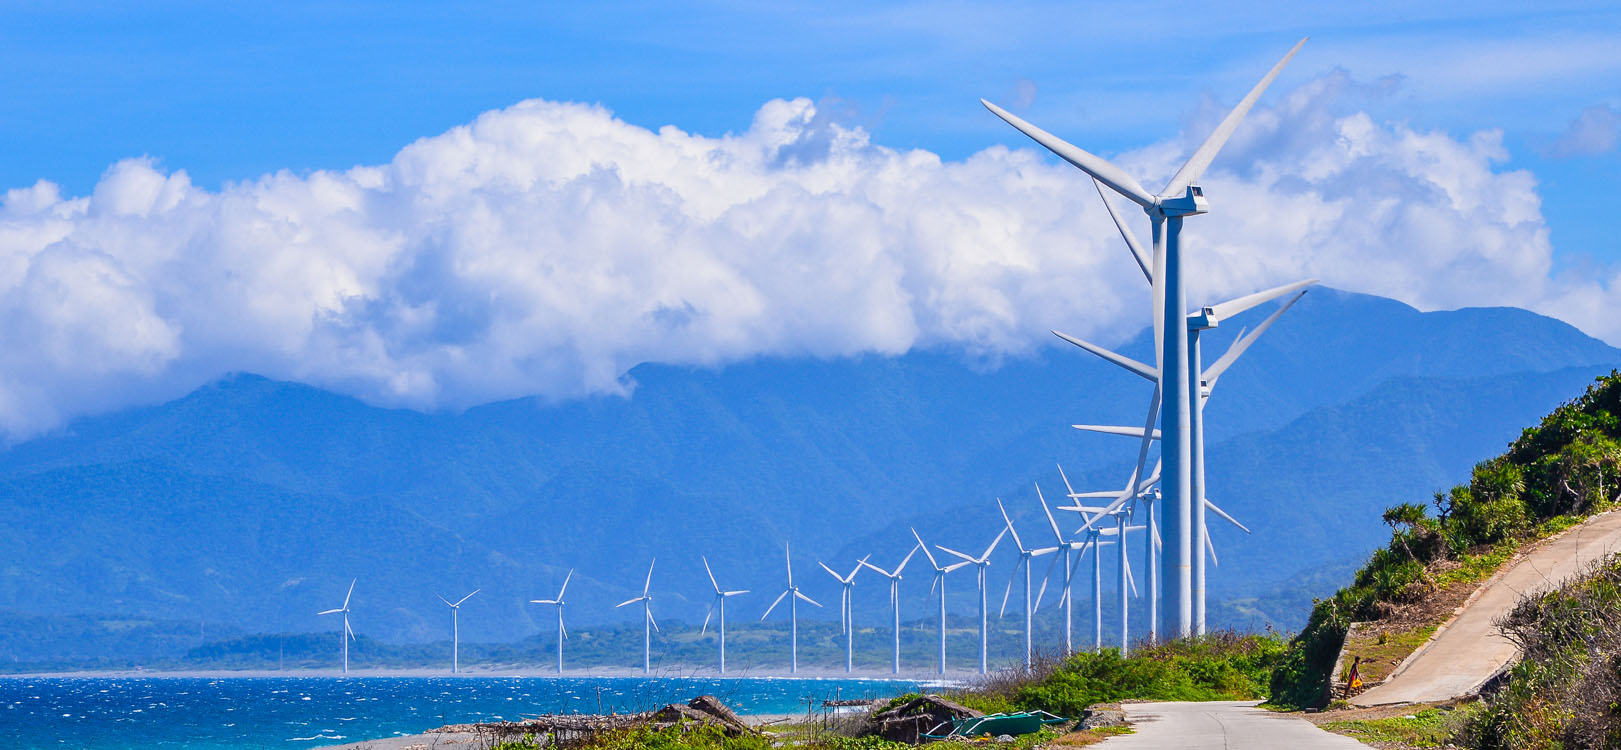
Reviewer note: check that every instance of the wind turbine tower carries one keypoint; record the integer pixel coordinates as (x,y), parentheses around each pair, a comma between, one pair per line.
(1182,197)
(1025,557)
(348,634)
(895,604)
(648,625)
(794,596)
(456,630)
(940,581)
(720,605)
(982,562)
(562,633)
(846,584)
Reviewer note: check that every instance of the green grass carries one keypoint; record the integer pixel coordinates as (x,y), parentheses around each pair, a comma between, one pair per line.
(1381,653)
(1220,666)
(1431,727)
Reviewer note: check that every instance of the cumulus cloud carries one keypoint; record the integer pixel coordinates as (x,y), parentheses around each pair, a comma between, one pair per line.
(1595,131)
(548,247)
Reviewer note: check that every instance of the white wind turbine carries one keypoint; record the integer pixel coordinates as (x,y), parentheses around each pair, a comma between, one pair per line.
(1209,317)
(1072,550)
(1025,556)
(648,625)
(846,584)
(348,634)
(456,630)
(793,612)
(982,562)
(562,632)
(940,581)
(895,604)
(718,604)
(1181,198)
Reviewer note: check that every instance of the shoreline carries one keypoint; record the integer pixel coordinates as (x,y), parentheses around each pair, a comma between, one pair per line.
(950,679)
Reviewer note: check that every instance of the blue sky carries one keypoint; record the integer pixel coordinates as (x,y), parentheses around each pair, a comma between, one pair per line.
(1522,102)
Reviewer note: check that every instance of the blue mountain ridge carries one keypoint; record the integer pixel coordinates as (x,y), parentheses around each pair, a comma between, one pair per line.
(252,503)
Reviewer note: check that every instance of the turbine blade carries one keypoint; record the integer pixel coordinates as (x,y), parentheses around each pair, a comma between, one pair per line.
(627,602)
(905,560)
(329,612)
(351,593)
(349,630)
(857,568)
(649,583)
(1210,547)
(788,559)
(710,573)
(866,564)
(653,622)
(565,584)
(1195,166)
(951,551)
(1009,524)
(710,613)
(1131,365)
(1231,308)
(1067,486)
(1009,590)
(564,628)
(1132,244)
(1214,371)
(1109,429)
(1043,591)
(734,593)
(806,599)
(954,566)
(469,596)
(932,562)
(542,601)
(1100,169)
(830,572)
(773,605)
(1131,579)
(1059,535)
(992,548)
(1223,514)
(446,601)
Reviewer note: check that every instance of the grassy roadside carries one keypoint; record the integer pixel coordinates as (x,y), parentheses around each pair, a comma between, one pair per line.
(1555,475)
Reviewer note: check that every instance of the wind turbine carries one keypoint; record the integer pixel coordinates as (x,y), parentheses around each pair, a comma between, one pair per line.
(1070,549)
(1025,556)
(940,581)
(895,604)
(719,604)
(1182,197)
(982,562)
(847,584)
(1207,318)
(456,630)
(793,612)
(648,625)
(562,632)
(348,634)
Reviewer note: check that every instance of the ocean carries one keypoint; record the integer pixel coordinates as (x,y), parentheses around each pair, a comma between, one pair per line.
(289,713)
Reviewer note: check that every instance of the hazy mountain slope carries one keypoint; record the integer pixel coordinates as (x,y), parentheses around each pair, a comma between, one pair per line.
(254,502)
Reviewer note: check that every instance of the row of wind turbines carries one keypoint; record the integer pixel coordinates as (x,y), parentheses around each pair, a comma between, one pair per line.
(1166,506)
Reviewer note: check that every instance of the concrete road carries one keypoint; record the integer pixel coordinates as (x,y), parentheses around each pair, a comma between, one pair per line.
(1220,724)
(1466,652)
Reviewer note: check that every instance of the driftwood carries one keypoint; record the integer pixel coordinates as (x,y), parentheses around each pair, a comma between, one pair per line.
(565,729)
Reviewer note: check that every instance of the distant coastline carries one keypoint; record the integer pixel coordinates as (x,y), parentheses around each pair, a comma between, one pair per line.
(927,677)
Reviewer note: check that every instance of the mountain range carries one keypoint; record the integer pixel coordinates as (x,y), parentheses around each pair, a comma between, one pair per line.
(250,504)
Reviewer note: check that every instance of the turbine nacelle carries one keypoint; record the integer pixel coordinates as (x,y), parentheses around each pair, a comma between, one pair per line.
(1190,203)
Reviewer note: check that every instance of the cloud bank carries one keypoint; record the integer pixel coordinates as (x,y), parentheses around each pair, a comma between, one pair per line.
(548,247)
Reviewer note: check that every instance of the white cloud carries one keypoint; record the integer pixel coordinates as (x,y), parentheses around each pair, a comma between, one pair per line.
(546,248)
(1597,130)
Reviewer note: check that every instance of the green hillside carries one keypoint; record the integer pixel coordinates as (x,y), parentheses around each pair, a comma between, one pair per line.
(1554,475)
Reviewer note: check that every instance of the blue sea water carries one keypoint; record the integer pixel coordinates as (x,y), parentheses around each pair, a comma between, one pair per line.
(302,712)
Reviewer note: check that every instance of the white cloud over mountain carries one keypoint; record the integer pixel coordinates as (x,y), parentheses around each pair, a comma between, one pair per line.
(546,248)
